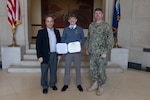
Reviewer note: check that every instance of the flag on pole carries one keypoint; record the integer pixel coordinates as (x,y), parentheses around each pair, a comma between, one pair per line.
(14,19)
(116,17)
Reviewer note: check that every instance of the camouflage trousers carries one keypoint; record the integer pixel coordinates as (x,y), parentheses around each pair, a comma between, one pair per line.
(98,69)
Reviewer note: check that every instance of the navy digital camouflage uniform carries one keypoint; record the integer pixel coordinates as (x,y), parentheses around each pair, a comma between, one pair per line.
(99,41)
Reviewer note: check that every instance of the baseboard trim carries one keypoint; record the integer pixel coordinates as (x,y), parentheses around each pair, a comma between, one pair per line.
(138,66)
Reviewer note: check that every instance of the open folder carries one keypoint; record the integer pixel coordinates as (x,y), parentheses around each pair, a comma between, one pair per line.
(72,47)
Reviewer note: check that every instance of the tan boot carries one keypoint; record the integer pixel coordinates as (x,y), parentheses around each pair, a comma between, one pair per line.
(99,91)
(93,87)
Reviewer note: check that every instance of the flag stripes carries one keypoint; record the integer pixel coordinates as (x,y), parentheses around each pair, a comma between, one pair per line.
(14,19)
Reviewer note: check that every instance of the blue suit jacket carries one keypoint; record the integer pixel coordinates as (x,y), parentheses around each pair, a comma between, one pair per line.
(42,44)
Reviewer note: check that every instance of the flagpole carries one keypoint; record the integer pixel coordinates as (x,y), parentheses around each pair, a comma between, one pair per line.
(14,44)
(116,43)
(14,18)
(116,18)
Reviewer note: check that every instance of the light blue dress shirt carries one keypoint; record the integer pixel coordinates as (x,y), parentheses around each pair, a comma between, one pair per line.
(52,40)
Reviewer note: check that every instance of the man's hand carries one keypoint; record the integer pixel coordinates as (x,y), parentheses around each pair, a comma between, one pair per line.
(40,59)
(87,52)
(103,56)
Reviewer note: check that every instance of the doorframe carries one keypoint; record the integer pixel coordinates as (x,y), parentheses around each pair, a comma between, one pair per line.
(28,36)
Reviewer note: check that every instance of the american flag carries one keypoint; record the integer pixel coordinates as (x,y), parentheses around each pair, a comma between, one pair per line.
(14,19)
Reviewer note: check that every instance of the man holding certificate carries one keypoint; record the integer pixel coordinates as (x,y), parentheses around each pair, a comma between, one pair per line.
(74,37)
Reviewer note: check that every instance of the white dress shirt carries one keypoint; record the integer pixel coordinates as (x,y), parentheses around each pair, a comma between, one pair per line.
(72,26)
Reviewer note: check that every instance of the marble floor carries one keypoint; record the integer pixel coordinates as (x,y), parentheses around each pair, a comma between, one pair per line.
(129,85)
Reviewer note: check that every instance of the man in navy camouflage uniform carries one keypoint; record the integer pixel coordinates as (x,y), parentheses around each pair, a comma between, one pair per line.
(99,43)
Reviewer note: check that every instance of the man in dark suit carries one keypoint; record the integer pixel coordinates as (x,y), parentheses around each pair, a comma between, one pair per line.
(46,53)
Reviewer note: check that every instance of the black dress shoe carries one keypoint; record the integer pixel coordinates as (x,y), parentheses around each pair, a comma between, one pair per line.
(64,88)
(54,87)
(45,91)
(80,88)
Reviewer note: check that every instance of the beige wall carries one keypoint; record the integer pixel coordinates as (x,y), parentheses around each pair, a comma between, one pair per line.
(35,11)
(35,16)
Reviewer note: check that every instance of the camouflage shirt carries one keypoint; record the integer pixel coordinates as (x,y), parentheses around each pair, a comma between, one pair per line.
(100,38)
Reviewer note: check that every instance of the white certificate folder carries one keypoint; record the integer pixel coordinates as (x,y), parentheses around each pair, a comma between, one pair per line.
(72,47)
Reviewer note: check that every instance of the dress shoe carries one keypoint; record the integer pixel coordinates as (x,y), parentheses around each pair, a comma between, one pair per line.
(80,88)
(54,87)
(64,88)
(45,91)
(93,87)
